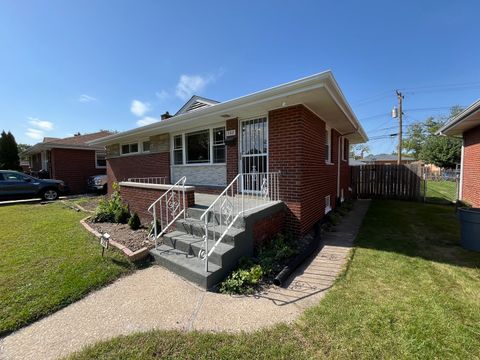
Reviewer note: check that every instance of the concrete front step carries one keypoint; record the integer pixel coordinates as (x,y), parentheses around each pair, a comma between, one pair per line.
(188,266)
(197,228)
(192,245)
(196,212)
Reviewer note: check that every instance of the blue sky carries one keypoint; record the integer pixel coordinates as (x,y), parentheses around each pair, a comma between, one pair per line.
(68,66)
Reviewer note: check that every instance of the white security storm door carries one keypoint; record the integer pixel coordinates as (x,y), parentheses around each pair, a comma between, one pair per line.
(253,152)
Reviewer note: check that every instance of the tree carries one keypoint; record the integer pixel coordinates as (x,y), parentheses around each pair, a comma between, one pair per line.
(9,159)
(441,151)
(22,148)
(422,143)
(359,150)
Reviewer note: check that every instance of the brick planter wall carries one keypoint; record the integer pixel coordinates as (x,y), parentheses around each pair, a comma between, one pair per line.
(74,167)
(140,198)
(471,167)
(146,165)
(269,226)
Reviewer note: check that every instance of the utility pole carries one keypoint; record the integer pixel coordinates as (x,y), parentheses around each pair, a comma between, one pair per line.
(399,114)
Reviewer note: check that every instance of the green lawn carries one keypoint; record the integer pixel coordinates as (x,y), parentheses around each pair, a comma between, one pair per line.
(441,192)
(47,261)
(410,291)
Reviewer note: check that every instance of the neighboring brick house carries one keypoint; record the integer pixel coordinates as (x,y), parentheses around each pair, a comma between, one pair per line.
(68,159)
(302,129)
(467,125)
(386,159)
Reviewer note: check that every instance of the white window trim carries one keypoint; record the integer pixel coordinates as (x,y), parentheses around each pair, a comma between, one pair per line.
(184,145)
(130,153)
(141,144)
(328,207)
(328,156)
(96,160)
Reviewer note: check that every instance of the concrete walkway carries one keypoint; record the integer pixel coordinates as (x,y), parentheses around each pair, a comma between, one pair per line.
(154,298)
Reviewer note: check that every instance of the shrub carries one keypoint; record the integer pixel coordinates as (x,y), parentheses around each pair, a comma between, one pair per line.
(134,222)
(113,209)
(270,259)
(242,281)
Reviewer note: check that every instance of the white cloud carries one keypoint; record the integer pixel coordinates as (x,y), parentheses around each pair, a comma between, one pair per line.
(35,134)
(84,98)
(40,124)
(147,120)
(139,108)
(188,85)
(162,95)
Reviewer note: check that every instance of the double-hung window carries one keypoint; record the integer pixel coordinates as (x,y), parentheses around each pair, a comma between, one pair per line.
(146,145)
(328,145)
(219,145)
(100,161)
(178,150)
(129,148)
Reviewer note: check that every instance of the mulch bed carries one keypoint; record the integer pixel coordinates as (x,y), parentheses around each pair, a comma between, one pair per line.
(122,234)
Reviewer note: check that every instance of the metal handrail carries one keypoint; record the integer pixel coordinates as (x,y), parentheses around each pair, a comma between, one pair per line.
(172,211)
(245,192)
(149,180)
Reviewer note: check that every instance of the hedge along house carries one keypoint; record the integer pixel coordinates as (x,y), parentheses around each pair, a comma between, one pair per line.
(467,125)
(285,148)
(69,159)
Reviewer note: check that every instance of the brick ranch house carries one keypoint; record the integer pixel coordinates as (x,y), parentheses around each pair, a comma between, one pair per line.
(69,159)
(467,125)
(296,135)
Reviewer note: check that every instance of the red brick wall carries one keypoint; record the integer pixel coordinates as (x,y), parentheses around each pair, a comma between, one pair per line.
(149,165)
(74,167)
(139,200)
(297,150)
(471,167)
(267,227)
(232,151)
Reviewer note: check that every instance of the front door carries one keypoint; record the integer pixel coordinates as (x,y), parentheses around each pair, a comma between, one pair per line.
(253,152)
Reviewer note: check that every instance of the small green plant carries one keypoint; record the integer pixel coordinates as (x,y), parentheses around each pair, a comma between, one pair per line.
(134,222)
(113,209)
(270,259)
(242,281)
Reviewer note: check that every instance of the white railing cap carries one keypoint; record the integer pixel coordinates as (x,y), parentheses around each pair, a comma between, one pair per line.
(155,186)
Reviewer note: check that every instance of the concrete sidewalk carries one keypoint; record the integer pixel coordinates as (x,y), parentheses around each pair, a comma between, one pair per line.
(154,298)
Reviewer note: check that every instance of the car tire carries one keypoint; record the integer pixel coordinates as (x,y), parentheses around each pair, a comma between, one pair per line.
(105,189)
(50,194)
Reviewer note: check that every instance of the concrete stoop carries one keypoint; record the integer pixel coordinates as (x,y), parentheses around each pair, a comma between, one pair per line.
(179,249)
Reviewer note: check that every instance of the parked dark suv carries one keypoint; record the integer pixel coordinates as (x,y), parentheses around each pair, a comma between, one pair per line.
(16,185)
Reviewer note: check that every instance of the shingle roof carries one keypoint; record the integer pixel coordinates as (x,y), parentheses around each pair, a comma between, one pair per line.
(386,157)
(79,139)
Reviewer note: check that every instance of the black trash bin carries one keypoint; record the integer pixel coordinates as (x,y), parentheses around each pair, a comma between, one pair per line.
(470,228)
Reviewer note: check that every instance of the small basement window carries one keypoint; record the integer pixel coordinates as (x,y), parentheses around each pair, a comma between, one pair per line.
(178,150)
(328,206)
(100,160)
(130,148)
(342,197)
(328,145)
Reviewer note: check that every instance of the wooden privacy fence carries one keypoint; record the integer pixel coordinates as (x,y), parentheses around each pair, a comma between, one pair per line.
(387,182)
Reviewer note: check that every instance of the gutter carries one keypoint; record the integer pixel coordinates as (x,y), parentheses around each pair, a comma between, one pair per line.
(459,118)
(308,83)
